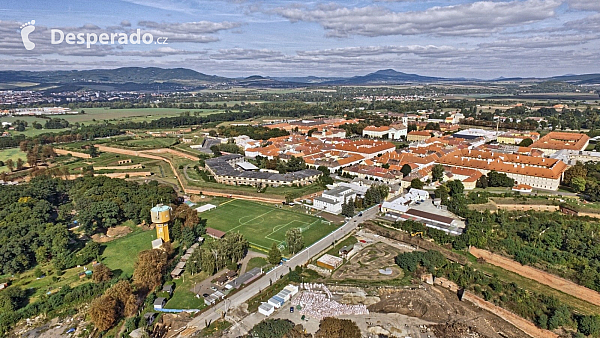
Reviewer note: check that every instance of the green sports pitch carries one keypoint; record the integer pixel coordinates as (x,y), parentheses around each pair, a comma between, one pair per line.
(263,224)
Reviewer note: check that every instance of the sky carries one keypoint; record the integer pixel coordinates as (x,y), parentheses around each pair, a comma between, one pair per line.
(236,38)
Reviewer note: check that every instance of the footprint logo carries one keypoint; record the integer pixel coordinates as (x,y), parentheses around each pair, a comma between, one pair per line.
(26,29)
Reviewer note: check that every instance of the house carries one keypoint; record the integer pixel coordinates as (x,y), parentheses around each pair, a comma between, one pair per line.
(346,251)
(293,289)
(159,303)
(329,262)
(214,233)
(522,188)
(393,132)
(266,309)
(331,200)
(276,302)
(436,221)
(176,273)
(150,317)
(418,136)
(401,204)
(168,289)
(244,279)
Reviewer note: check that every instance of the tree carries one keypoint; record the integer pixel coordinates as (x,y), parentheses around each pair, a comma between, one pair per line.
(437,173)
(526,142)
(417,183)
(455,187)
(274,254)
(337,328)
(101,273)
(93,151)
(589,325)
(294,240)
(149,268)
(578,184)
(578,170)
(125,300)
(405,170)
(20,164)
(272,328)
(103,312)
(348,208)
(194,264)
(442,192)
(10,164)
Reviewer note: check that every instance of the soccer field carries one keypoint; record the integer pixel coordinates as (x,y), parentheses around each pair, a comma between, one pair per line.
(263,224)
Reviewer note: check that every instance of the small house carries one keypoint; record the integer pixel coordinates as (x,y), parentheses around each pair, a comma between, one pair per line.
(329,262)
(150,317)
(293,289)
(284,294)
(276,302)
(214,233)
(176,273)
(159,303)
(266,309)
(168,289)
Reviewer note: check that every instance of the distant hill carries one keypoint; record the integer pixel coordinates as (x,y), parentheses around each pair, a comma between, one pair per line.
(386,76)
(126,78)
(170,79)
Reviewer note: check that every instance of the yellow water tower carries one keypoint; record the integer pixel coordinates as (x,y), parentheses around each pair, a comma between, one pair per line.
(161,216)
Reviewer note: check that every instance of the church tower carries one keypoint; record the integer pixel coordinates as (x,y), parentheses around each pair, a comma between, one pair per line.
(161,216)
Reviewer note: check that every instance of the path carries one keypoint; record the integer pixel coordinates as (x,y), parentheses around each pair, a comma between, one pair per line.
(538,275)
(249,256)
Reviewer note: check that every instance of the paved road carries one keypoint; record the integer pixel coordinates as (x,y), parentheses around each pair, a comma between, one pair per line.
(299,259)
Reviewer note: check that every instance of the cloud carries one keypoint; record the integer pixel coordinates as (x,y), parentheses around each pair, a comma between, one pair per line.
(198,32)
(351,52)
(585,5)
(474,19)
(245,54)
(542,41)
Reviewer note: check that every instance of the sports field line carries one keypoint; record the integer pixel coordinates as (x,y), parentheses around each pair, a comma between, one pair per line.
(230,230)
(279,227)
(226,202)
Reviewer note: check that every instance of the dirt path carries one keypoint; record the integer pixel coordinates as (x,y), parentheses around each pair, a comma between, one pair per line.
(538,275)
(249,256)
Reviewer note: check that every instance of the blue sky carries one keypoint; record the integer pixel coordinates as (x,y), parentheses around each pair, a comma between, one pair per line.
(482,39)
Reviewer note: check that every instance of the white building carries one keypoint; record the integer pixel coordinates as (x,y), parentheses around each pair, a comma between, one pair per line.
(393,132)
(331,200)
(401,204)
(266,309)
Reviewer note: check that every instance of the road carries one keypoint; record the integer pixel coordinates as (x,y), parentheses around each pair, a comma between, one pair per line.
(300,258)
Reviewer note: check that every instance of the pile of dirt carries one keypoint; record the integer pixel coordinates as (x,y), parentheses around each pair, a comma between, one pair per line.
(438,305)
(111,234)
(455,330)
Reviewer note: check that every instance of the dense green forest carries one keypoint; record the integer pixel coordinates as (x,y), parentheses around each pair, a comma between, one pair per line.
(35,217)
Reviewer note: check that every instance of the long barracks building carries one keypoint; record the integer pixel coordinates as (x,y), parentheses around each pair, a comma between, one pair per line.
(538,172)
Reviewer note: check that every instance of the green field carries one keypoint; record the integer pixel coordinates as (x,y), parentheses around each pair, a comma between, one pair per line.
(265,224)
(120,255)
(12,153)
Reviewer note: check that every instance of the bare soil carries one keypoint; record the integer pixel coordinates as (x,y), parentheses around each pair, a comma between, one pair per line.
(365,264)
(455,319)
(111,234)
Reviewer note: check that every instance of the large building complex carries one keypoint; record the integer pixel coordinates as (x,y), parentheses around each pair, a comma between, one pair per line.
(233,169)
(555,141)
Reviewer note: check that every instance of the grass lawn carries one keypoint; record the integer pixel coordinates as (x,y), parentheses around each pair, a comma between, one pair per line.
(120,255)
(38,287)
(256,262)
(149,143)
(264,224)
(336,249)
(11,153)
(182,297)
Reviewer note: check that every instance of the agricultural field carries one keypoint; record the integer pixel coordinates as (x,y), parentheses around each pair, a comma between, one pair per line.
(147,143)
(264,224)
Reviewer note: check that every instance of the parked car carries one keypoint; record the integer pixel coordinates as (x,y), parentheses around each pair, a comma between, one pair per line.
(213,288)
(291,309)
